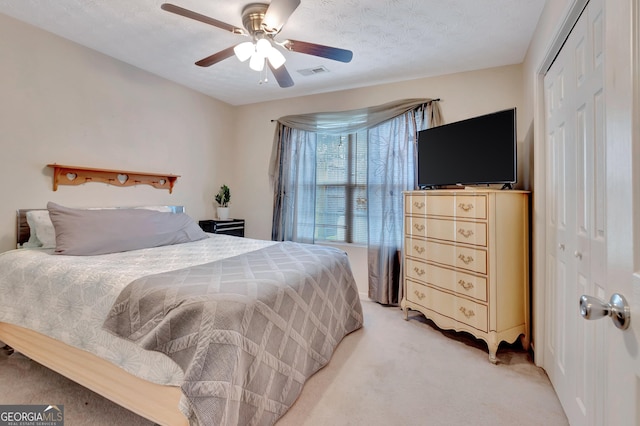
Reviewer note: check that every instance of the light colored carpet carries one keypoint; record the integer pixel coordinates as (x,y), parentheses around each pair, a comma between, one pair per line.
(391,372)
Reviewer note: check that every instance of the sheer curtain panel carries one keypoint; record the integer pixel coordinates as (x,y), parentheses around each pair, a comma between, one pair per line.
(392,131)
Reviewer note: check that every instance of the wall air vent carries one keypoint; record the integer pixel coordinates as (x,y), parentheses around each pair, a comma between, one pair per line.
(312,71)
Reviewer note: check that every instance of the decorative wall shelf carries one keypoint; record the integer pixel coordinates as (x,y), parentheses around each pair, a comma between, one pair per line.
(73,175)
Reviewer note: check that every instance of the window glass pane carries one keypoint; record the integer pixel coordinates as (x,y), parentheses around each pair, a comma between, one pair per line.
(360,159)
(332,156)
(341,192)
(359,215)
(359,190)
(330,213)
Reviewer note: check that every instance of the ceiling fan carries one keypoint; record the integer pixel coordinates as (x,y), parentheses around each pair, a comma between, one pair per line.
(262,22)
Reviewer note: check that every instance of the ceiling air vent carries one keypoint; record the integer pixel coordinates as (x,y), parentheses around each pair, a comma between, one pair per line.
(315,70)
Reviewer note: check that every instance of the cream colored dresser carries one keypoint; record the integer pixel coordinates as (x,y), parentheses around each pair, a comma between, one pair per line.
(466,262)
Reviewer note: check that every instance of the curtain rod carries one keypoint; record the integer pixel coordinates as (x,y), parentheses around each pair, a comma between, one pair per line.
(432,100)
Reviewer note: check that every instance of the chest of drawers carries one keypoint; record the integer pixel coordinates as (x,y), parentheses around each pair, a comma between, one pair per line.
(466,262)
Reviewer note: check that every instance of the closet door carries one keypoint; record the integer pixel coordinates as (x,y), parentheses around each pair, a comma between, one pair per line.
(561,222)
(576,228)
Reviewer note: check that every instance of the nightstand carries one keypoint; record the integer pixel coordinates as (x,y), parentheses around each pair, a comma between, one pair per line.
(229,227)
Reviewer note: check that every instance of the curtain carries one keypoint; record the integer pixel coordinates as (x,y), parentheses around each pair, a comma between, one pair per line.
(295,199)
(392,137)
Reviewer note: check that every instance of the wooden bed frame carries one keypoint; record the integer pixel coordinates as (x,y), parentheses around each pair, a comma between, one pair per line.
(158,403)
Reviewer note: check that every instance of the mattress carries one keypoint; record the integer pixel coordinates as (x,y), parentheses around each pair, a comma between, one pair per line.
(68,297)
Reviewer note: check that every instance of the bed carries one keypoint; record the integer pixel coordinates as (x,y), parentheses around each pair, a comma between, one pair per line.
(217,330)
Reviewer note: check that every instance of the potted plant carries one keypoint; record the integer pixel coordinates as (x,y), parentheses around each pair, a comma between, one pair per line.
(222,198)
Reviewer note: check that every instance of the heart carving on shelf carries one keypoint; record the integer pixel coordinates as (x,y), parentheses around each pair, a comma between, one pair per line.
(71,176)
(122,178)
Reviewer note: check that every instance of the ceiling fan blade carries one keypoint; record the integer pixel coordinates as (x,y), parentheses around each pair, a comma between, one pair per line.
(328,52)
(282,75)
(216,57)
(198,17)
(278,13)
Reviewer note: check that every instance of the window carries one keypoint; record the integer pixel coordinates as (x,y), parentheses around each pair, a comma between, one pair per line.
(341,188)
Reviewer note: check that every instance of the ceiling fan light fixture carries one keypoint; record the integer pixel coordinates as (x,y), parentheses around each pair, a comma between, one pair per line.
(244,50)
(276,59)
(263,47)
(257,62)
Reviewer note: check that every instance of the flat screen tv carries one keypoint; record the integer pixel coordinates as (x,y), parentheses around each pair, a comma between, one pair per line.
(478,150)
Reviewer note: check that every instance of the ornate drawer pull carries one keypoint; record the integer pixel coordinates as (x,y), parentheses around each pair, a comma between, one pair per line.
(418,249)
(419,227)
(418,204)
(466,259)
(465,233)
(465,207)
(420,272)
(419,295)
(467,286)
(468,314)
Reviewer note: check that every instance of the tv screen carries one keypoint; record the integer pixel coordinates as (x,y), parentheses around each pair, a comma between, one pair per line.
(479,150)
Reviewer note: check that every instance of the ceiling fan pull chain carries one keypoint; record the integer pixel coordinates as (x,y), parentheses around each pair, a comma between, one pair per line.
(263,78)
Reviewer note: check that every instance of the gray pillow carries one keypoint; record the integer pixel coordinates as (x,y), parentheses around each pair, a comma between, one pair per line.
(88,232)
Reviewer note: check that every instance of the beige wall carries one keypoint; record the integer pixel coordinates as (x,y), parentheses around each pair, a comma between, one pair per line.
(532,116)
(549,23)
(67,104)
(533,138)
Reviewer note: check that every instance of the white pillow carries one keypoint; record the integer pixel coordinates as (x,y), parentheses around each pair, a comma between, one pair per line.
(41,228)
(165,209)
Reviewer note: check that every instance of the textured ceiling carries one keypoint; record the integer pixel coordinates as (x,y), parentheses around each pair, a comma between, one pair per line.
(391,40)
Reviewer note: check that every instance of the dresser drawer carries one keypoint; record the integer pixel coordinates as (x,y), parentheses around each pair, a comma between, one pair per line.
(415,204)
(460,309)
(468,258)
(416,226)
(447,279)
(460,206)
(448,230)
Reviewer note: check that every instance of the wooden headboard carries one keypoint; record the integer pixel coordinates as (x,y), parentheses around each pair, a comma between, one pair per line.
(23,232)
(22,227)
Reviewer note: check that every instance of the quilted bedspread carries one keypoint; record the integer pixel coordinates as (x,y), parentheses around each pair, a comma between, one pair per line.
(247,330)
(68,297)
